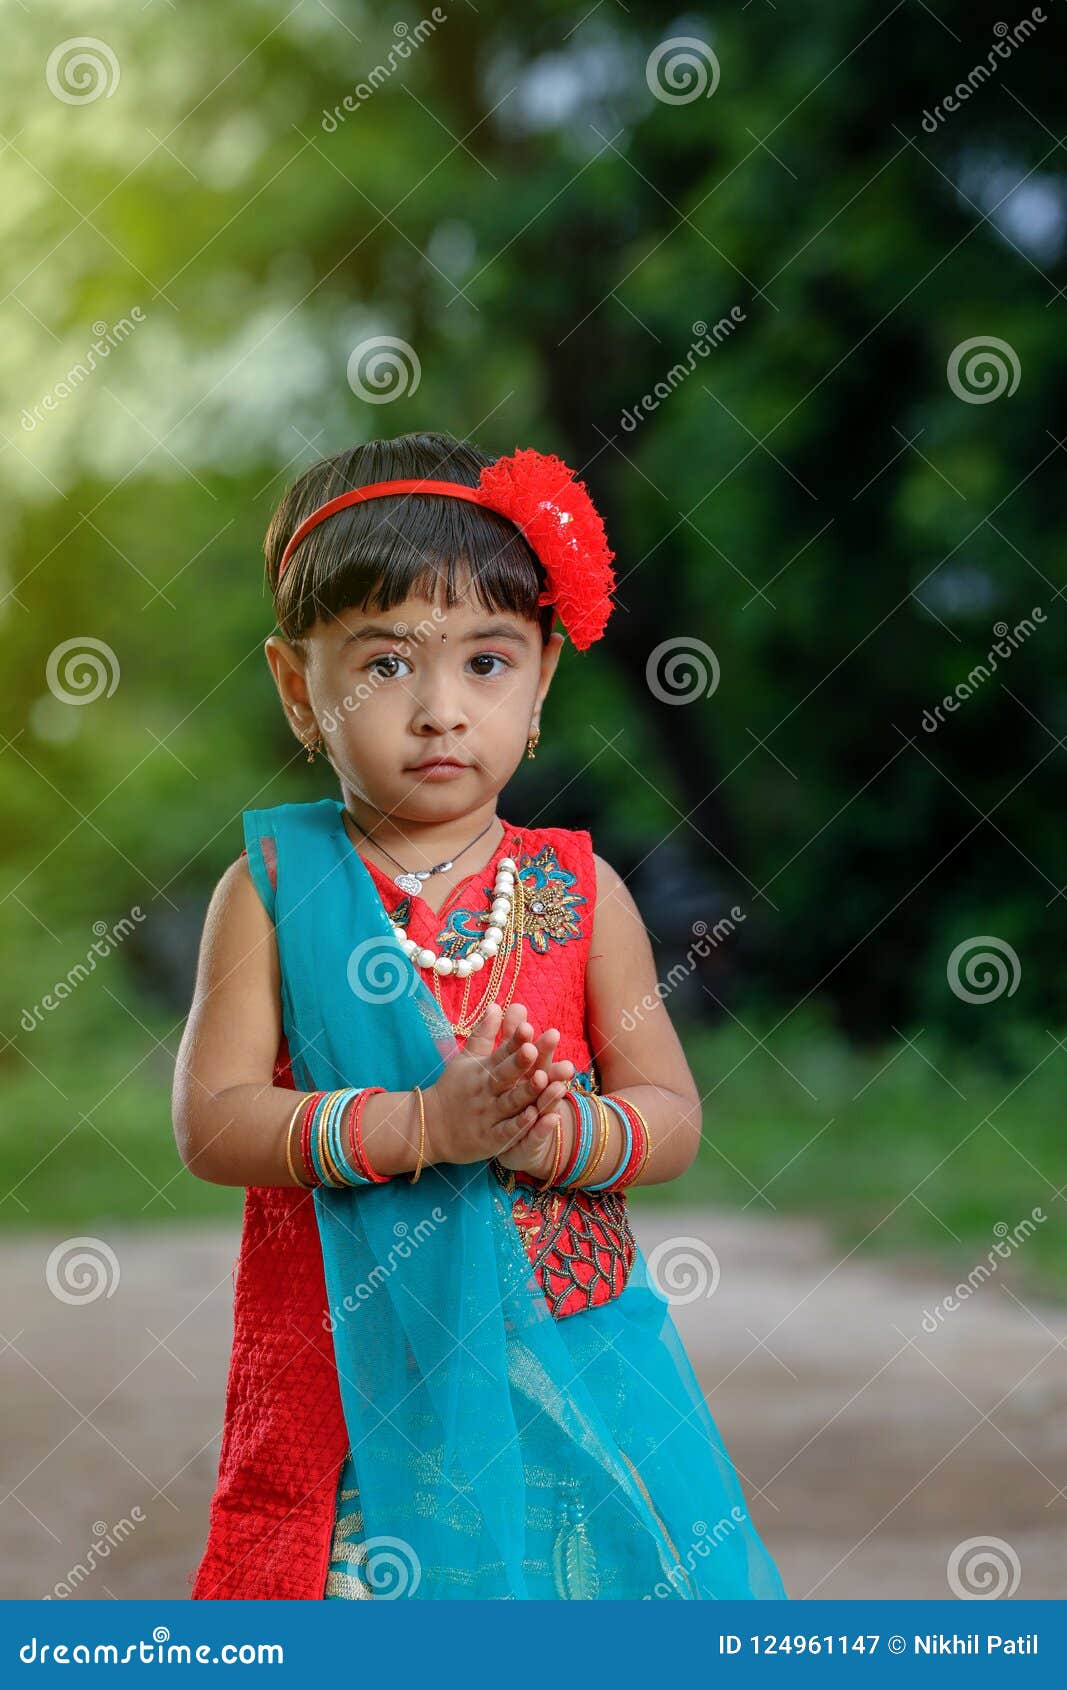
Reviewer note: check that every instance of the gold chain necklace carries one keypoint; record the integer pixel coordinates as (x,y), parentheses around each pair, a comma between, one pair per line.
(468,1019)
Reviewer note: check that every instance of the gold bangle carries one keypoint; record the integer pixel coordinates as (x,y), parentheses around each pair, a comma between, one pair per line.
(414,1178)
(293,1175)
(551,1180)
(601,1112)
(613,1121)
(336,1179)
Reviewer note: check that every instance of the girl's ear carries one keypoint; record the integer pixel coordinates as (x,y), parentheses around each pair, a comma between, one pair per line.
(287,664)
(549,658)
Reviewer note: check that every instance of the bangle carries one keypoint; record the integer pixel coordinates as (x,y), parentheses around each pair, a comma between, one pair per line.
(414,1178)
(554,1171)
(293,1175)
(322,1169)
(609,1103)
(306,1128)
(603,1126)
(305,1140)
(635,1166)
(645,1135)
(340,1142)
(326,1159)
(332,1144)
(357,1135)
(584,1118)
(565,1172)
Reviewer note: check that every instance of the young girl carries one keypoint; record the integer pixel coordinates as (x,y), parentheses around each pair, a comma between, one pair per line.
(412,1041)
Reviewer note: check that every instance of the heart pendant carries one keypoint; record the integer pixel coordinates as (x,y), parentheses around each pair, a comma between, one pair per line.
(408,882)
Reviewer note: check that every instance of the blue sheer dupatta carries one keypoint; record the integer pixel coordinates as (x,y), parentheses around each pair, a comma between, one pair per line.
(497,1452)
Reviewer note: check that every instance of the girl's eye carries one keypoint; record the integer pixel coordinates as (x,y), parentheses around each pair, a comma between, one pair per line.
(386,674)
(489,657)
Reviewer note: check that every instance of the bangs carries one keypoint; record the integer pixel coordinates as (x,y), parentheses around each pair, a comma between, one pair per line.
(376,554)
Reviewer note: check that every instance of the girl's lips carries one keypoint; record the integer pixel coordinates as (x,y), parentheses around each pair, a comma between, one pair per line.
(440,771)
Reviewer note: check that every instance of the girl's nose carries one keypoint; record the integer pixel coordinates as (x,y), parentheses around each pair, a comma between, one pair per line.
(438,708)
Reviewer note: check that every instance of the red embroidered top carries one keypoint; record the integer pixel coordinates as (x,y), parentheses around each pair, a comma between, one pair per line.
(284,1438)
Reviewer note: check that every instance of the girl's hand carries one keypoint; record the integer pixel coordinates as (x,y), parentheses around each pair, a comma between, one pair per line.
(534,1151)
(486,1097)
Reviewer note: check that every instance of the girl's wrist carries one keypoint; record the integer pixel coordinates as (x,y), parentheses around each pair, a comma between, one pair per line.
(435,1132)
(559,1149)
(388,1143)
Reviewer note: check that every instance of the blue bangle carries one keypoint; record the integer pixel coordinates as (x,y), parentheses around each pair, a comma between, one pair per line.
(327,1119)
(337,1146)
(330,1135)
(628,1142)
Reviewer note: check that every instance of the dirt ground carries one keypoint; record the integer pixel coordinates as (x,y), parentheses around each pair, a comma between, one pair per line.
(869,1448)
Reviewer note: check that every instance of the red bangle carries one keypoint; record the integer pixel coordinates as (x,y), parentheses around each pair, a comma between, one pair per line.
(353,1154)
(357,1137)
(305,1139)
(639,1152)
(635,1160)
(576,1139)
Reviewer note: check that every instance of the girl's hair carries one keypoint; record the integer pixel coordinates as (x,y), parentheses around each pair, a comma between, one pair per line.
(374,554)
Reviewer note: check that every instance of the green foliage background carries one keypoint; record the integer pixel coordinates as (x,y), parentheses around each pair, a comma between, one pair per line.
(814,503)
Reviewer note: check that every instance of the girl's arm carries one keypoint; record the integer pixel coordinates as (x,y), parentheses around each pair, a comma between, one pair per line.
(230,1120)
(637,1051)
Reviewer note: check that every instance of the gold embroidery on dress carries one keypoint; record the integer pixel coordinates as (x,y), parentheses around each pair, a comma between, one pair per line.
(644,1492)
(346,1547)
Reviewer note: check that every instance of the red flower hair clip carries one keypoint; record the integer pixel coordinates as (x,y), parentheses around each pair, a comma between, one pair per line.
(553,510)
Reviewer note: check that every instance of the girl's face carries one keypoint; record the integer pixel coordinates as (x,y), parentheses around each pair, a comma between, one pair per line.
(390,690)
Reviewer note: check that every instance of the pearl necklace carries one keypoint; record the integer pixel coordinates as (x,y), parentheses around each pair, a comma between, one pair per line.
(506,920)
(485,948)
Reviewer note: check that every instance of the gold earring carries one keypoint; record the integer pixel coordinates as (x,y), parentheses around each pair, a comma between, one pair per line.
(312,748)
(532,741)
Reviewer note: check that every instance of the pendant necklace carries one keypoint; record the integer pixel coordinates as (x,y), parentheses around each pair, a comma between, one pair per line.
(411,880)
(504,932)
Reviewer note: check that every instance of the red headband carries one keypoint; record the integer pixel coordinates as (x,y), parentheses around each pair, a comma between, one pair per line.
(542,497)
